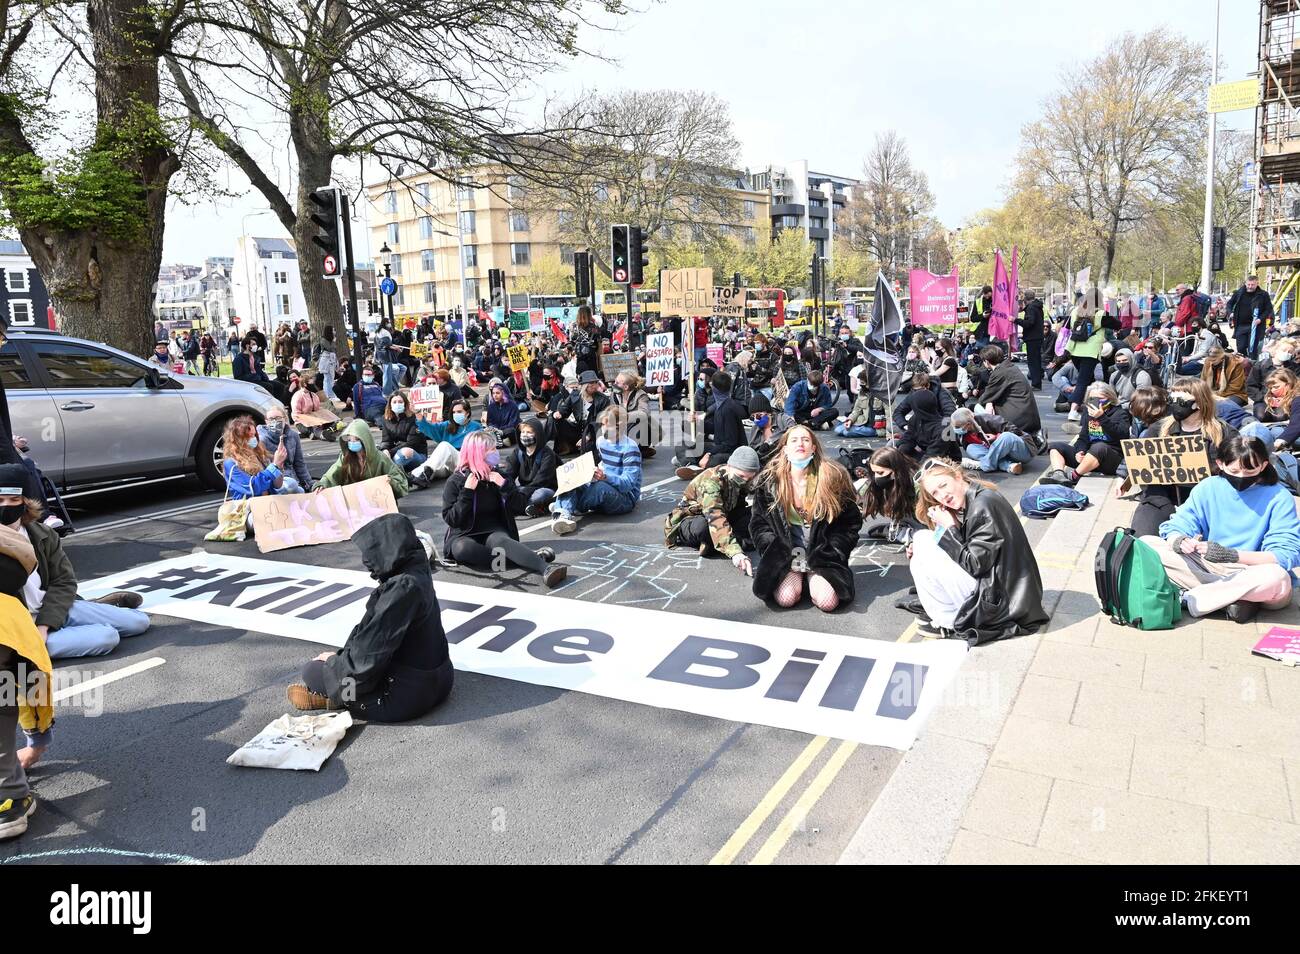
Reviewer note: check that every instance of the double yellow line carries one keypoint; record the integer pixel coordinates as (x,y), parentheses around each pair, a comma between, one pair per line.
(803,806)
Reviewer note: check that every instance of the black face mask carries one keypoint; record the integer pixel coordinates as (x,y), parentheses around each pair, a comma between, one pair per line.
(1181,410)
(1240,483)
(882,482)
(527,440)
(11,513)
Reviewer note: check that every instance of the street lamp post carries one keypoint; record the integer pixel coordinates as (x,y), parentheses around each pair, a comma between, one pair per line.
(385,251)
(1207,237)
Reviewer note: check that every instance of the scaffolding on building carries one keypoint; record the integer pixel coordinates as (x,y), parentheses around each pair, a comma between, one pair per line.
(1275,202)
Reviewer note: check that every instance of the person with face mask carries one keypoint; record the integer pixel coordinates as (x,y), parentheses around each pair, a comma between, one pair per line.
(368,397)
(615,488)
(1278,354)
(533,466)
(447,436)
(275,433)
(1234,541)
(359,459)
(395,664)
(805,525)
(722,428)
(501,412)
(975,573)
(791,368)
(713,515)
(635,402)
(1191,411)
(399,434)
(1281,409)
(479,506)
(1127,376)
(809,402)
(574,424)
(887,496)
(923,430)
(249,468)
(1098,445)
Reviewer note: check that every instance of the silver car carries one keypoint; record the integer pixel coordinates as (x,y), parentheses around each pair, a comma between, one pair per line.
(92,414)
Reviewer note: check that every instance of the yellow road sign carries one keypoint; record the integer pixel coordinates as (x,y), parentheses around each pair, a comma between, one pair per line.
(1226,97)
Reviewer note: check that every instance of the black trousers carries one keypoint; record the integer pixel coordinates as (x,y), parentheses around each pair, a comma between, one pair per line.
(1151,512)
(482,554)
(403,693)
(1034,359)
(694,531)
(1087,368)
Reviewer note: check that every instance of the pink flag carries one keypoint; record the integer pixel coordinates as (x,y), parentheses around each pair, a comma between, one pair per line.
(933,297)
(1002,320)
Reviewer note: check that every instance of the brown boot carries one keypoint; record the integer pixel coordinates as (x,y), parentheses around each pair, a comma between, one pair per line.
(121,598)
(300,697)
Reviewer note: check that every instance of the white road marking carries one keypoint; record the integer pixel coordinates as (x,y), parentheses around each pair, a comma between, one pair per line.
(129,521)
(131,670)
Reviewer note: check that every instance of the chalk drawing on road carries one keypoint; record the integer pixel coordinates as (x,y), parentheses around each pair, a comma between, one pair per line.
(622,572)
(877,557)
(668,493)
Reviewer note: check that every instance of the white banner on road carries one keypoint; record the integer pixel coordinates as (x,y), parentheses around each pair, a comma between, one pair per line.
(865,690)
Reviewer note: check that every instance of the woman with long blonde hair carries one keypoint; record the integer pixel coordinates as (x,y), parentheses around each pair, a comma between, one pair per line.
(1225,374)
(805,525)
(974,570)
(1279,408)
(248,470)
(1191,408)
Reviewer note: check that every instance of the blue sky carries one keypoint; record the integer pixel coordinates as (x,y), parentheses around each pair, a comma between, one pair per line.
(817,79)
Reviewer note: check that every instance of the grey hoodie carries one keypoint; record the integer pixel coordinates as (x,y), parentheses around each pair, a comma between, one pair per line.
(1124,381)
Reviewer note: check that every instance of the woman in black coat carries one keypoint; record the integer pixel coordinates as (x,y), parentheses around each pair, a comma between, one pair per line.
(479,506)
(975,573)
(394,666)
(532,465)
(399,435)
(805,525)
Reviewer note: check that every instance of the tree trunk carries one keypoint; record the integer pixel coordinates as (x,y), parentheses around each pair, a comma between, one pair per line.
(101,281)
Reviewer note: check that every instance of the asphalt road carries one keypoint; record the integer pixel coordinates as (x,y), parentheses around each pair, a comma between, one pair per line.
(502,772)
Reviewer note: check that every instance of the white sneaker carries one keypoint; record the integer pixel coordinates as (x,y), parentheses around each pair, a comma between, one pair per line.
(1073,415)
(970,464)
(563,525)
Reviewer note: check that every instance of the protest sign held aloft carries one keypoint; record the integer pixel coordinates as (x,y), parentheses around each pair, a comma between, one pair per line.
(686,293)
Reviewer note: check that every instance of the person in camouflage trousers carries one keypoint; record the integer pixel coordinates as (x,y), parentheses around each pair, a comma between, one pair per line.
(713,513)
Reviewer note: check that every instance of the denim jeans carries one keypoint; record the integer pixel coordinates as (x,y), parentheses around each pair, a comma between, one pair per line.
(596,497)
(1006,449)
(858,430)
(408,459)
(542,496)
(392,375)
(94,629)
(1063,381)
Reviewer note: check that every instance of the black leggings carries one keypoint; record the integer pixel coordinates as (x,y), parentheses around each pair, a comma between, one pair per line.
(1087,368)
(471,552)
(403,693)
(1152,511)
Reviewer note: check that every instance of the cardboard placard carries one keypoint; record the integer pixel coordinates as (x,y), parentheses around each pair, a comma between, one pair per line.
(576,473)
(428,399)
(321,417)
(518,357)
(686,293)
(331,516)
(728,302)
(659,360)
(419,350)
(616,364)
(1166,460)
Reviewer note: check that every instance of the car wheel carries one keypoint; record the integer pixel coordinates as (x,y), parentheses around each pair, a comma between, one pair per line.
(209,455)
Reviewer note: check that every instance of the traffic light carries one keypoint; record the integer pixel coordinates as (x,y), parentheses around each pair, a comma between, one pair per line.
(618,254)
(816,272)
(496,285)
(582,274)
(637,257)
(327,214)
(1218,247)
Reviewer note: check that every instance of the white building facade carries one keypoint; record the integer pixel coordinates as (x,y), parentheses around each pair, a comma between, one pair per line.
(266,287)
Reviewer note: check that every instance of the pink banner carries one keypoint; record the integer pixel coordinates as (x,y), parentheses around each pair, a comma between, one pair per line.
(1002,319)
(933,297)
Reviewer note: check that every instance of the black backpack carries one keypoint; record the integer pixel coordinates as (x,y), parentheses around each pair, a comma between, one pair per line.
(855,458)
(1082,329)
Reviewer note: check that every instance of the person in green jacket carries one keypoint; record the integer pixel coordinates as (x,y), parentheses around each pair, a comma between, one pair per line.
(1085,354)
(360,460)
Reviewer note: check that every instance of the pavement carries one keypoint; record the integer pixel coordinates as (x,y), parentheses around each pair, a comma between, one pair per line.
(515,773)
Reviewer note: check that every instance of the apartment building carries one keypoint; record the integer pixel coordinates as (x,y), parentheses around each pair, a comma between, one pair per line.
(800,198)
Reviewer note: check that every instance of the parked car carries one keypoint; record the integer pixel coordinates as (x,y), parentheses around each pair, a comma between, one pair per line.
(92,414)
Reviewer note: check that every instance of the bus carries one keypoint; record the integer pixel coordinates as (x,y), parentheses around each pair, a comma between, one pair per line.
(561,308)
(611,302)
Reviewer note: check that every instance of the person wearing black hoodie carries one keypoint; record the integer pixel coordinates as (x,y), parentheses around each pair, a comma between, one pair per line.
(1031,332)
(723,428)
(924,432)
(532,465)
(394,666)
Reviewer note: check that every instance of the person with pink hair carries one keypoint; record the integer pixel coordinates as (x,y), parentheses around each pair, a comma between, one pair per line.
(479,507)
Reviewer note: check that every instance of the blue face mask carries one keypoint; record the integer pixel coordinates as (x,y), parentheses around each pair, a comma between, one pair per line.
(459,417)
(252,442)
(368,378)
(798,464)
(354,446)
(761,420)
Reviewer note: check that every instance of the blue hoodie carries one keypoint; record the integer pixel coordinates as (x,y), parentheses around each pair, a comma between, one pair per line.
(1257,519)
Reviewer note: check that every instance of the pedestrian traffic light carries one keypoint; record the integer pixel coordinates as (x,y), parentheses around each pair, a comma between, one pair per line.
(618,254)
(327,214)
(582,274)
(638,258)
(496,284)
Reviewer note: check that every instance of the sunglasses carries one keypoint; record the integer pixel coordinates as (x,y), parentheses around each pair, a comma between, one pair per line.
(929,465)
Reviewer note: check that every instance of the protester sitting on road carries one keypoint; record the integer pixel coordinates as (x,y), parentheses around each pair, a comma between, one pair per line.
(399,433)
(368,400)
(533,466)
(860,421)
(629,394)
(248,469)
(1281,403)
(502,412)
(1147,406)
(809,402)
(26,671)
(447,436)
(723,429)
(989,443)
(360,460)
(805,525)
(550,393)
(765,437)
(922,381)
(244,366)
(791,368)
(887,496)
(974,570)
(574,424)
(479,506)
(1226,375)
(306,400)
(1191,412)
(1009,394)
(1128,377)
(1097,448)
(270,436)
(713,515)
(1275,355)
(1235,540)
(615,488)
(924,433)
(394,666)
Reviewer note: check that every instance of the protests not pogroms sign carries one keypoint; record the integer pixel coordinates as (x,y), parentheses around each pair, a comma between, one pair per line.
(686,293)
(1166,460)
(331,516)
(660,360)
(876,692)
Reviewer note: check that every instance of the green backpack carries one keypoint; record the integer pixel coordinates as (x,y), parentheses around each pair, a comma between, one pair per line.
(1132,583)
